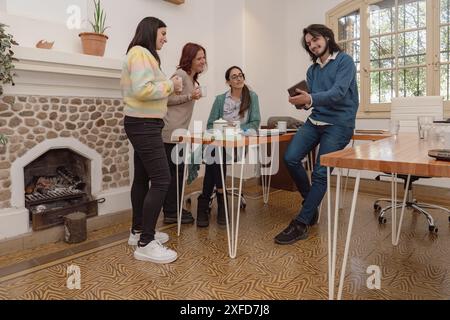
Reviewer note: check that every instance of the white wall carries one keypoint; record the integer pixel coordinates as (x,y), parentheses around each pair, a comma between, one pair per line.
(262,36)
(265,54)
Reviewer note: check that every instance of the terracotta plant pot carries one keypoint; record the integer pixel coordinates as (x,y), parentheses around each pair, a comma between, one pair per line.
(93,43)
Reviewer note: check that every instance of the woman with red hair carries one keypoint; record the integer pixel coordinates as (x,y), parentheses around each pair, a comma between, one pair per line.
(180,107)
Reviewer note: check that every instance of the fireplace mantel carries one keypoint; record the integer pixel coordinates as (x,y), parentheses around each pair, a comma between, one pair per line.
(57,73)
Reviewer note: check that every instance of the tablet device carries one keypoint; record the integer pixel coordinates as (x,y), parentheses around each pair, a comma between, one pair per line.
(302,85)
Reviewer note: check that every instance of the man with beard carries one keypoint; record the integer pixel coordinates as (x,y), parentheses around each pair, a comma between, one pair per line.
(334,101)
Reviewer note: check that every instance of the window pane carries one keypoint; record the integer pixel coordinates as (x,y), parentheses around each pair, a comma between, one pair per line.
(382,52)
(381,86)
(445,81)
(412,82)
(349,26)
(445,11)
(358,80)
(353,48)
(382,17)
(412,14)
(412,48)
(445,44)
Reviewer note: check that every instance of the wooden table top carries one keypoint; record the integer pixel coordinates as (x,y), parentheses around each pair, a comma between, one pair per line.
(238,141)
(402,154)
(255,140)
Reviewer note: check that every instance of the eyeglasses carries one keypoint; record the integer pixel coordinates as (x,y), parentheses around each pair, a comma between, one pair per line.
(237,76)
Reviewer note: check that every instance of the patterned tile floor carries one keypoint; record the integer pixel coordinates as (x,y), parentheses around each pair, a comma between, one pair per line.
(418,268)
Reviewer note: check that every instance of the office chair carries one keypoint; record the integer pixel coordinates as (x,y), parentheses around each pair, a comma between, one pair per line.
(406,110)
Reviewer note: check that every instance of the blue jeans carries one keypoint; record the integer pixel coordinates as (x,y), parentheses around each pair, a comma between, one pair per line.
(330,138)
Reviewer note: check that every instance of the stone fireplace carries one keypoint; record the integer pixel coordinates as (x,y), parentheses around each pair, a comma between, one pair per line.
(51,126)
(56,184)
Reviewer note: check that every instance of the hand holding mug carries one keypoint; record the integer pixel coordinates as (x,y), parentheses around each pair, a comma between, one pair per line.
(196,94)
(178,84)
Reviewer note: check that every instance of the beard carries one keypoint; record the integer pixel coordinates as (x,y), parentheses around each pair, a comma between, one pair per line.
(325,50)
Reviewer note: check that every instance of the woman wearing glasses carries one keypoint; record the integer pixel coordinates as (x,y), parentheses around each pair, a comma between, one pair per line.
(237,104)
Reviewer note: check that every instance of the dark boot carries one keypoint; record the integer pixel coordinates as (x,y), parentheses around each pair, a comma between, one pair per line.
(171,217)
(202,211)
(221,209)
(315,217)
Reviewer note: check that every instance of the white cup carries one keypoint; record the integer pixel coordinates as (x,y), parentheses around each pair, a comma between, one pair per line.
(219,124)
(203,91)
(178,80)
(282,126)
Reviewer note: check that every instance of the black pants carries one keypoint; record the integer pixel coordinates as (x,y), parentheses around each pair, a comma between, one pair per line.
(170,204)
(213,177)
(150,165)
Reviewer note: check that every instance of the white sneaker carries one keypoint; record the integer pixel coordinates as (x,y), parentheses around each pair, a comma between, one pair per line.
(155,252)
(159,236)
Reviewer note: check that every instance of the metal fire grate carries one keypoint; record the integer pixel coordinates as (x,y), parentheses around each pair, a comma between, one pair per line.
(54,195)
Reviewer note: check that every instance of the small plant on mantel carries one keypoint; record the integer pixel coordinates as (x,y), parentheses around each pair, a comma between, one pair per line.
(6,58)
(94,43)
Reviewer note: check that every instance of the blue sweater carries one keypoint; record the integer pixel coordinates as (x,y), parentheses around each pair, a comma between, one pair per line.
(334,91)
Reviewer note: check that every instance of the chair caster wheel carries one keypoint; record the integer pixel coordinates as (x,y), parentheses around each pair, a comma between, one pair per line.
(377,208)
(433,229)
(382,220)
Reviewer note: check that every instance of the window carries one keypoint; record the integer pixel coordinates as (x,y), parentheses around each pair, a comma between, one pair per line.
(444,60)
(349,38)
(400,47)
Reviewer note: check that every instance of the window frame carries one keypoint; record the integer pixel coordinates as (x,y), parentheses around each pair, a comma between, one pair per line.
(432,56)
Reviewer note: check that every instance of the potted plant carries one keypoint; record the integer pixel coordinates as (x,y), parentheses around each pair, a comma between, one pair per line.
(6,58)
(94,43)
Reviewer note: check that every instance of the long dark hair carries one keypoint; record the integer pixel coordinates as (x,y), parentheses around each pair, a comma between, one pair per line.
(246,100)
(188,54)
(317,30)
(145,36)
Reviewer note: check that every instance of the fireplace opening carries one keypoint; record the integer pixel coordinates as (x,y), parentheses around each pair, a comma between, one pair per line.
(56,184)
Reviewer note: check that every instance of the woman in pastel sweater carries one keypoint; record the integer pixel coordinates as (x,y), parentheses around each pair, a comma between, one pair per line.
(145,90)
(179,113)
(238,104)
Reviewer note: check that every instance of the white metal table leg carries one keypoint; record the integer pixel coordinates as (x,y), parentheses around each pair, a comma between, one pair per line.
(398,231)
(180,202)
(345,184)
(335,231)
(236,229)
(394,208)
(266,178)
(224,187)
(234,216)
(349,235)
(178,185)
(332,244)
(330,283)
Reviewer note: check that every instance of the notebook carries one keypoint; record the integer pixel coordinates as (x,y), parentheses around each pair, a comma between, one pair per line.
(302,85)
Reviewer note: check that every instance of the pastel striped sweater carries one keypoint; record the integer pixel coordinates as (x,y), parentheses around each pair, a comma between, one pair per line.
(145,88)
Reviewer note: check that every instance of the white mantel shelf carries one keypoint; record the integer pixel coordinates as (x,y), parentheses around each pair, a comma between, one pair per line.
(56,73)
(35,59)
